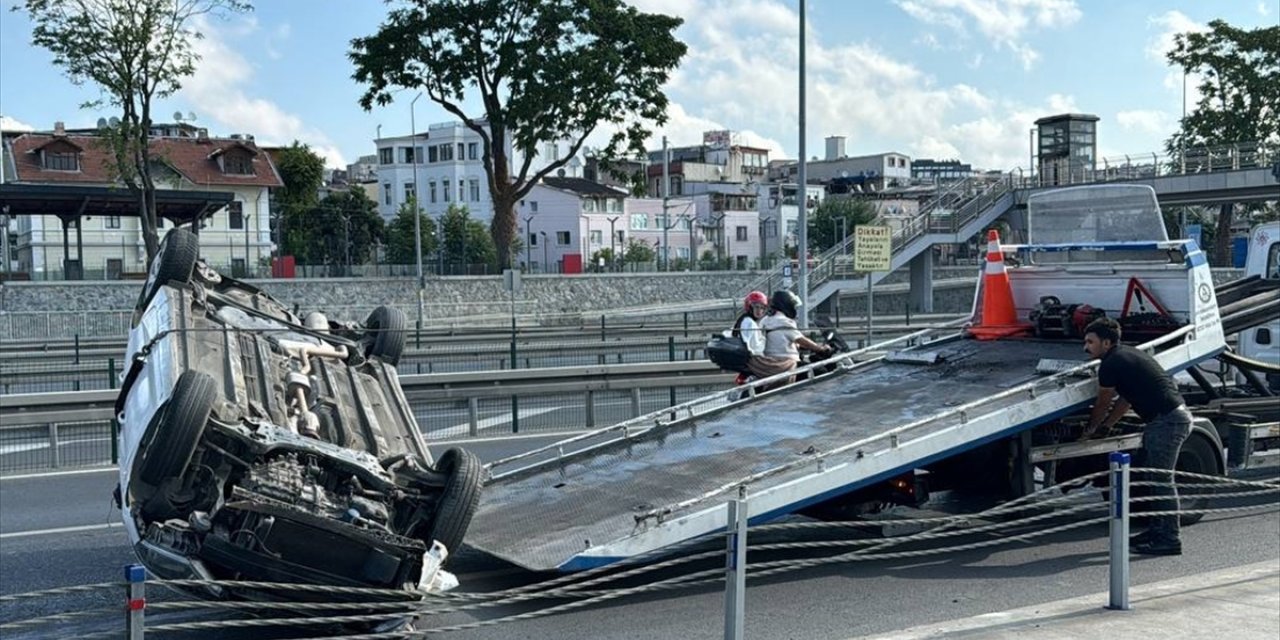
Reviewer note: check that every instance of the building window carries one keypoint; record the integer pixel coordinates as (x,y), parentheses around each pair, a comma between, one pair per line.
(462,151)
(406,153)
(386,193)
(240,164)
(386,155)
(677,186)
(445,187)
(562,238)
(111,222)
(235,215)
(237,268)
(431,187)
(473,150)
(66,161)
(462,194)
(446,152)
(408,191)
(741,234)
(115,266)
(475,190)
(588,205)
(639,221)
(597,236)
(533,239)
(533,206)
(682,253)
(432,154)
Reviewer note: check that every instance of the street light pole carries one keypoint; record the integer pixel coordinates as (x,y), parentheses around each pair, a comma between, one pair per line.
(544,250)
(666,196)
(613,253)
(804,190)
(417,207)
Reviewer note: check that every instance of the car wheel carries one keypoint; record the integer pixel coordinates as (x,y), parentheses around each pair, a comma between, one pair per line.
(1196,456)
(458,500)
(175,436)
(387,327)
(175,260)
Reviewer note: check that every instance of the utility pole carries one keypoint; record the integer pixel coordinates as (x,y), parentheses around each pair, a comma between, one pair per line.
(527,263)
(666,195)
(417,207)
(803,193)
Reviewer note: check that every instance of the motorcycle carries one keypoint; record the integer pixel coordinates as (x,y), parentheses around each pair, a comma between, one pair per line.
(828,336)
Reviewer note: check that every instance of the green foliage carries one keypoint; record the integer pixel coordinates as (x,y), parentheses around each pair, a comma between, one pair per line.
(466,241)
(825,222)
(302,172)
(638,251)
(343,227)
(543,70)
(1239,88)
(399,235)
(135,52)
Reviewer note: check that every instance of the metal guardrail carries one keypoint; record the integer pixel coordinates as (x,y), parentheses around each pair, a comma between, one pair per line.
(75,429)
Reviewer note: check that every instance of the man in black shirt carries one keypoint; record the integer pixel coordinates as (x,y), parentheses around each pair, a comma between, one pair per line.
(1128,378)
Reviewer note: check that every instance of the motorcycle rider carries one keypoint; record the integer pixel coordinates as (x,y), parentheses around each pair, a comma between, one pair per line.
(783,339)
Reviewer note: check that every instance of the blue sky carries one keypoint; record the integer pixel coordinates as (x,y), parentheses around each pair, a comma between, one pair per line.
(931,78)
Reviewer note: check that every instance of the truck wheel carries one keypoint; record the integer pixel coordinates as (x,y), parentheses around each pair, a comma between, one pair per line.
(1196,456)
(174,437)
(175,260)
(387,326)
(458,500)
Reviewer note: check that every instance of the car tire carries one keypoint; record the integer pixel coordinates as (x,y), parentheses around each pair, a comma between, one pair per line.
(174,437)
(1196,456)
(459,499)
(175,260)
(387,328)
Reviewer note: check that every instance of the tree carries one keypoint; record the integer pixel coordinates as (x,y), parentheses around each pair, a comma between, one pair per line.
(825,223)
(136,52)
(466,241)
(400,245)
(638,251)
(1239,87)
(340,230)
(302,172)
(543,70)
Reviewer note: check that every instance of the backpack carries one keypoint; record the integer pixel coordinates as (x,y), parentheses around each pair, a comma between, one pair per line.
(728,352)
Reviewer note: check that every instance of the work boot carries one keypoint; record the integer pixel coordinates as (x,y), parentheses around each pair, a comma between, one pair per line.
(1156,547)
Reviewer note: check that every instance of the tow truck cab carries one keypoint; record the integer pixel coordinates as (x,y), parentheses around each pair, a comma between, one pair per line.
(1263,343)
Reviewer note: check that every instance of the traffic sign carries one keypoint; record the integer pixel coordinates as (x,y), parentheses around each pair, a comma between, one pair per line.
(872,248)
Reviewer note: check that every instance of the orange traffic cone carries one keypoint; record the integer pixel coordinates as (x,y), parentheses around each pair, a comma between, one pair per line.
(999,316)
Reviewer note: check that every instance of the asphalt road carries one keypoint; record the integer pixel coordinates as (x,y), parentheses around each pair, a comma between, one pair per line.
(60,530)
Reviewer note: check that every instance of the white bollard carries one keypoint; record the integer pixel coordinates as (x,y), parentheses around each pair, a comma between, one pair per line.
(1119,531)
(136,576)
(735,578)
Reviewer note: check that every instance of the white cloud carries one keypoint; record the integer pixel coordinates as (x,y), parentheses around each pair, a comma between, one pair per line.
(1263,10)
(10,124)
(1059,103)
(1147,121)
(217,91)
(1004,22)
(1170,24)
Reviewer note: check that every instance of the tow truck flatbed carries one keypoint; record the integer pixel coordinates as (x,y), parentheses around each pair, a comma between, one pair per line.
(660,479)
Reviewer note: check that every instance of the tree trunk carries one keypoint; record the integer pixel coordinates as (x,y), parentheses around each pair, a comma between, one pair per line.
(503,226)
(1222,241)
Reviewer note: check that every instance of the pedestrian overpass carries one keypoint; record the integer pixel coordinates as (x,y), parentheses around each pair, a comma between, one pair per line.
(1236,173)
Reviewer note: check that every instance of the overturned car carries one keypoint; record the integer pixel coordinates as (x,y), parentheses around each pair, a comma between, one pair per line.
(257,445)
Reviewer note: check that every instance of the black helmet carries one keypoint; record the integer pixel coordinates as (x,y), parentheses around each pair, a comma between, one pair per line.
(785,302)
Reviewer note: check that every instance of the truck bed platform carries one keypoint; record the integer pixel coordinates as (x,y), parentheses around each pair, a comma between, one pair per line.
(668,483)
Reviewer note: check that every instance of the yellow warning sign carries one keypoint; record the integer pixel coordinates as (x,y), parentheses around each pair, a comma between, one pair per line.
(872,248)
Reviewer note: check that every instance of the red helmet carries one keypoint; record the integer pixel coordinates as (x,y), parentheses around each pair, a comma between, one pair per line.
(755,297)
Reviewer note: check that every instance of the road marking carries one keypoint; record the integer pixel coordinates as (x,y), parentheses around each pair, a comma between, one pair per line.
(42,532)
(52,474)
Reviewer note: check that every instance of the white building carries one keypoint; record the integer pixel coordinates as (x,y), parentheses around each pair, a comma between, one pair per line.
(449,170)
(236,237)
(779,210)
(881,169)
(565,222)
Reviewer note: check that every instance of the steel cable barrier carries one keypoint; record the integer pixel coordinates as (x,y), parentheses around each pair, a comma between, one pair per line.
(775,549)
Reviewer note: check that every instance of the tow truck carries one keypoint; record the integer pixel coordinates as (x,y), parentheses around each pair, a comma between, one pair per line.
(937,401)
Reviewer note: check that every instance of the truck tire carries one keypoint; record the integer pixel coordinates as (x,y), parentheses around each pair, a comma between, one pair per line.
(387,328)
(175,261)
(1196,456)
(458,500)
(174,436)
